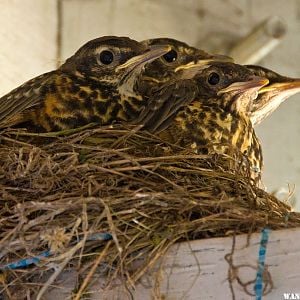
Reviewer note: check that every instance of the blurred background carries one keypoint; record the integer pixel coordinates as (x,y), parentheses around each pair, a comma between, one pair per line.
(37,35)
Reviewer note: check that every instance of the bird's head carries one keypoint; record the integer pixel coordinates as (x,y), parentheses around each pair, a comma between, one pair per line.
(175,64)
(273,94)
(230,86)
(112,59)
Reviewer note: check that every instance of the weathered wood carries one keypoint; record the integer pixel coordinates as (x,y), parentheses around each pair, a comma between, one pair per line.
(198,270)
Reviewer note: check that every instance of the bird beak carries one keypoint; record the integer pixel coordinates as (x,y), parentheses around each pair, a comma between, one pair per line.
(254,84)
(291,87)
(271,96)
(198,64)
(155,52)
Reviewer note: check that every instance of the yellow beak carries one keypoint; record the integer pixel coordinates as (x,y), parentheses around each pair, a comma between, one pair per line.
(281,86)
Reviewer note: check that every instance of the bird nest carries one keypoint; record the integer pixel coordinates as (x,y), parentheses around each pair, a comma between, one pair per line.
(107,196)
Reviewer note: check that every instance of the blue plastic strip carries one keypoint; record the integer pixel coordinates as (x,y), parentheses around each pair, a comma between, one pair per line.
(26,262)
(258,287)
(99,237)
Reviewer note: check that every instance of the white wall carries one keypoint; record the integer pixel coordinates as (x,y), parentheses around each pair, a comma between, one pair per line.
(28,30)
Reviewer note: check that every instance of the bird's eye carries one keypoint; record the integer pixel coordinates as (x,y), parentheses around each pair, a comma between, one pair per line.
(213,78)
(171,56)
(106,57)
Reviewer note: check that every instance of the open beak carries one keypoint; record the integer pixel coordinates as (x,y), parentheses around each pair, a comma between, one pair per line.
(254,84)
(155,52)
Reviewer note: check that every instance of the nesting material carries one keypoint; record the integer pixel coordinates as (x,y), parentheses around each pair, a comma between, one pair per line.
(63,195)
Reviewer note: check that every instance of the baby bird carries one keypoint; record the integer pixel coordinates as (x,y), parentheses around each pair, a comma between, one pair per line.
(181,57)
(181,62)
(214,112)
(97,84)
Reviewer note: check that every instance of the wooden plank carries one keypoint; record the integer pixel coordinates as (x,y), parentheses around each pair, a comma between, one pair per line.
(28,31)
(198,270)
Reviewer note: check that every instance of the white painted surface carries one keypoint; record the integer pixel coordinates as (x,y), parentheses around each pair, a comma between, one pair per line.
(198,270)
(28,30)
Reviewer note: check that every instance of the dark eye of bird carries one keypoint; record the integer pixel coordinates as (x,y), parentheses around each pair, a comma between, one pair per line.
(213,78)
(170,56)
(106,57)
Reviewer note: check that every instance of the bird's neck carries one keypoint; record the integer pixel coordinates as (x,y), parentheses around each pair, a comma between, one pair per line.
(236,105)
(128,87)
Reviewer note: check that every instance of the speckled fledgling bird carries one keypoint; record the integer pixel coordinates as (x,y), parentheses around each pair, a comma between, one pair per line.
(272,95)
(181,62)
(215,117)
(96,84)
